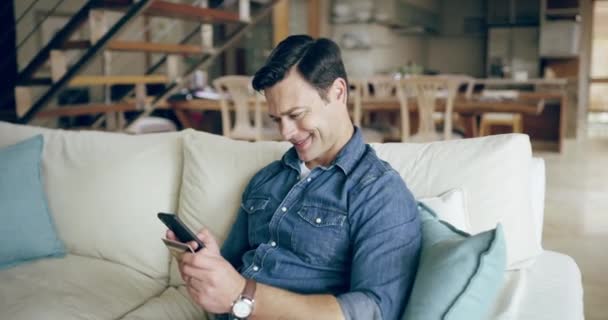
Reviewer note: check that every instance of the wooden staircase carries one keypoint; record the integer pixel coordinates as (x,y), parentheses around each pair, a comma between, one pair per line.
(139,46)
(103,43)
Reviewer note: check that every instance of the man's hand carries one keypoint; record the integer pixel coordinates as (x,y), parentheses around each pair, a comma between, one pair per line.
(211,280)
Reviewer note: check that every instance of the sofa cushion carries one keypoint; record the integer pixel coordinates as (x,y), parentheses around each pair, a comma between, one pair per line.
(459,275)
(493,172)
(73,287)
(26,229)
(216,172)
(104,190)
(173,303)
(551,288)
(451,207)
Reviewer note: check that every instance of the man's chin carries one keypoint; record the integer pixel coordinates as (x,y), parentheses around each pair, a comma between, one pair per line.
(304,155)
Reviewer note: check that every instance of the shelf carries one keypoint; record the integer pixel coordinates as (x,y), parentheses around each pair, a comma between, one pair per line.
(562,13)
(558,57)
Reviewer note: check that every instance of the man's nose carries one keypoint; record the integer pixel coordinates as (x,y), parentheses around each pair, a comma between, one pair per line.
(287,129)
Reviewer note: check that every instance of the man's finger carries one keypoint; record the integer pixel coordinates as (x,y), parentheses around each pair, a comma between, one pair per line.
(199,260)
(209,241)
(170,235)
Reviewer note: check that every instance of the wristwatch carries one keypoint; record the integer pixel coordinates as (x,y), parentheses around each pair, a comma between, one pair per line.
(242,307)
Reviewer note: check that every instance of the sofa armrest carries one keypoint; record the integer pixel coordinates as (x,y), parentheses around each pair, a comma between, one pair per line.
(537,195)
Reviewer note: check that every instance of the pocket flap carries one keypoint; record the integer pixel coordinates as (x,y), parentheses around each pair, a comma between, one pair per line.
(254,204)
(321,217)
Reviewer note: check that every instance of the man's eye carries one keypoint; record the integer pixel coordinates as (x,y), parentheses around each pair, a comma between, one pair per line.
(276,120)
(297,115)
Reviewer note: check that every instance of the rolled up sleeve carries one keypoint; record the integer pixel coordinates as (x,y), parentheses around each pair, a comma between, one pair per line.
(386,239)
(358,305)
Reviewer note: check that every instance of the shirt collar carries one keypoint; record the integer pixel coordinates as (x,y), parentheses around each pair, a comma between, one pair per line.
(345,160)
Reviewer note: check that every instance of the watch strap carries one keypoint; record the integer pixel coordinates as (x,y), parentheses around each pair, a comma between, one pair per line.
(249,291)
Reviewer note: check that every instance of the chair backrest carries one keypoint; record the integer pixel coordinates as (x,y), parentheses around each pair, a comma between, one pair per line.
(379,87)
(427,89)
(366,90)
(355,96)
(236,92)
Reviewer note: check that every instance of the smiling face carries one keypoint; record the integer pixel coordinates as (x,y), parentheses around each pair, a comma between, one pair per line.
(317,128)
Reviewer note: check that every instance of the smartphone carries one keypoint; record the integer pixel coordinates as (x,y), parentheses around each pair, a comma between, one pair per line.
(180,230)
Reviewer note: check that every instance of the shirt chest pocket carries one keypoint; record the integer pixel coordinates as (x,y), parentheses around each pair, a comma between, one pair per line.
(320,236)
(259,214)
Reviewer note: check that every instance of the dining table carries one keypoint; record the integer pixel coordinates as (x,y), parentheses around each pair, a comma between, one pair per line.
(469,108)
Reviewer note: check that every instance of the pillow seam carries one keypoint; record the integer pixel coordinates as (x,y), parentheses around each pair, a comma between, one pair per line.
(481,263)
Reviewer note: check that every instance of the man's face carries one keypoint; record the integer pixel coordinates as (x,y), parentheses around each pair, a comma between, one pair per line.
(305,119)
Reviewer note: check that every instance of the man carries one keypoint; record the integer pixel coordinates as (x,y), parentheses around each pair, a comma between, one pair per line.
(328,232)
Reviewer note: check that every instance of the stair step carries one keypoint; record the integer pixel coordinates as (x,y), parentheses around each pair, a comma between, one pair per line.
(111,80)
(189,12)
(167,9)
(85,109)
(139,46)
(37,82)
(155,47)
(91,108)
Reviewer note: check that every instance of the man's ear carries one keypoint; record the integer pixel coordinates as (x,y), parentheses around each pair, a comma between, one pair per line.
(338,91)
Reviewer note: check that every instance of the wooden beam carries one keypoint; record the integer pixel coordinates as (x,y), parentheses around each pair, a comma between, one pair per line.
(244,10)
(173,63)
(111,80)
(280,21)
(314,18)
(59,64)
(23,100)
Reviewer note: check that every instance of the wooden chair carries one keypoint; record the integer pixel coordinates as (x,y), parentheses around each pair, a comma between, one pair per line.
(513,120)
(427,89)
(371,90)
(469,84)
(359,89)
(236,93)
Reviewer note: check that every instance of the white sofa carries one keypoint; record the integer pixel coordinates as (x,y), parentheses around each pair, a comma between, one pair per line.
(105,189)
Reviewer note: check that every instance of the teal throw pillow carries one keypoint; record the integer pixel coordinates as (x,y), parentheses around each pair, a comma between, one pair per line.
(26,229)
(459,275)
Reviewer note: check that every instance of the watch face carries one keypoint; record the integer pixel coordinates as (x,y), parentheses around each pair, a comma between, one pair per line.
(242,308)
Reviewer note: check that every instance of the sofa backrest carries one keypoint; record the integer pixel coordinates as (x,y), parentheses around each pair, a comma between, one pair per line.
(493,171)
(104,190)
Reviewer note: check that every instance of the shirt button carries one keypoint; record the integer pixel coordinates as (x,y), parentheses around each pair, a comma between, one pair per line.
(284,209)
(308,180)
(256,268)
(251,208)
(318,220)
(273,243)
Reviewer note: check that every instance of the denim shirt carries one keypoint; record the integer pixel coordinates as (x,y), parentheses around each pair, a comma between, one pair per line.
(350,229)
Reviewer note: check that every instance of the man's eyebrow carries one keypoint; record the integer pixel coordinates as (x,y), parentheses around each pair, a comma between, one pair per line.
(290,110)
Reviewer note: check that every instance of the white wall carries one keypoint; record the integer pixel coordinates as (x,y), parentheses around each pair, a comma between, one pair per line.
(386,53)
